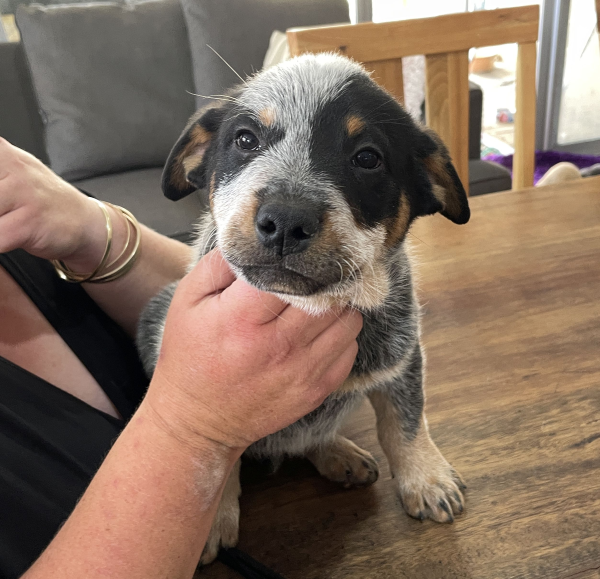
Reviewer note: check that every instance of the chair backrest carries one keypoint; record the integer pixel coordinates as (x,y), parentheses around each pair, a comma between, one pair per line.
(598,17)
(445,41)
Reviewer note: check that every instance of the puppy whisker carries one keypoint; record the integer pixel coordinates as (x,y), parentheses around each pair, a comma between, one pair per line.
(413,235)
(229,65)
(223,98)
(341,271)
(267,307)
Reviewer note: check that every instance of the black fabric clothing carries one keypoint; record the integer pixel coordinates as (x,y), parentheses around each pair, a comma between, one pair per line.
(51,443)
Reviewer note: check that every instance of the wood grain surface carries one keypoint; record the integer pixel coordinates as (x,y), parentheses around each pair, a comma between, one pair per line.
(511,327)
(450,33)
(447,105)
(445,41)
(524,158)
(388,73)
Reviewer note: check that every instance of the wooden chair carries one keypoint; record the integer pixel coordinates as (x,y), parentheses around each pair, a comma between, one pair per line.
(445,42)
(598,17)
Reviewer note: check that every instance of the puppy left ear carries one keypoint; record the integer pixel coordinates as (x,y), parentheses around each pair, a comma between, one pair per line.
(444,190)
(185,169)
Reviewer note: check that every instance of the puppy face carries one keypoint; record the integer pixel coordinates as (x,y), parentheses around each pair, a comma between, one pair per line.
(314,175)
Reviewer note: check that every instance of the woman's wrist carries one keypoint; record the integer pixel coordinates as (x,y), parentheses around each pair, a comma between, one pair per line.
(91,245)
(177,432)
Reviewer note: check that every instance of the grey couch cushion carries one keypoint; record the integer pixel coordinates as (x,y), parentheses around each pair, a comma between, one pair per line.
(487,177)
(140,192)
(20,122)
(239,30)
(111,81)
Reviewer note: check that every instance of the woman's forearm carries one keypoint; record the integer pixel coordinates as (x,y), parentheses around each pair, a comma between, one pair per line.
(47,217)
(147,512)
(161,261)
(235,366)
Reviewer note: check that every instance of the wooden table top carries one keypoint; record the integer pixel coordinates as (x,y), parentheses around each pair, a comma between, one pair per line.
(511,328)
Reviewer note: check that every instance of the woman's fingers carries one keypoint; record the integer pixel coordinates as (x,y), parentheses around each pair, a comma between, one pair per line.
(303,327)
(337,372)
(335,339)
(211,275)
(13,234)
(252,305)
(5,152)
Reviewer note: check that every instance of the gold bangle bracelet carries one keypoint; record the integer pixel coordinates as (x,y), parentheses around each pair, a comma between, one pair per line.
(123,251)
(67,274)
(122,269)
(98,276)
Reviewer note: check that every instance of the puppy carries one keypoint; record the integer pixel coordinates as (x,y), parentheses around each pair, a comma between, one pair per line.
(315,174)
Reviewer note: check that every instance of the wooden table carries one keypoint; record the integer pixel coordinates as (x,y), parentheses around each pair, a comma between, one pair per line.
(512,332)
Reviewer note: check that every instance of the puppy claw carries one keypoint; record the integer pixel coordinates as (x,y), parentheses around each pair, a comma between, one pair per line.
(431,489)
(457,502)
(446,508)
(458,480)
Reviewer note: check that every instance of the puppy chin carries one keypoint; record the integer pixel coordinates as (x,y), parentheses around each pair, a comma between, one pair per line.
(362,294)
(315,305)
(358,295)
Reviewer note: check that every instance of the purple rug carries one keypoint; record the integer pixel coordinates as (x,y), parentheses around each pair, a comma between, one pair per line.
(546,159)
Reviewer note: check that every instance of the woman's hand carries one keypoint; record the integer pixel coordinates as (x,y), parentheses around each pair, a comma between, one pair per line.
(44,215)
(237,364)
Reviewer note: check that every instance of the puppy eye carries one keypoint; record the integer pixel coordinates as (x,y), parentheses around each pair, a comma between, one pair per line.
(366,159)
(247,141)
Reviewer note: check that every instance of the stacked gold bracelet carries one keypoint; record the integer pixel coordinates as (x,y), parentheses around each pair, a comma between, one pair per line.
(99,275)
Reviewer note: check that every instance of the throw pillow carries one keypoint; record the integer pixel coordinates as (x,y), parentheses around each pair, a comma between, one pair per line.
(239,30)
(111,81)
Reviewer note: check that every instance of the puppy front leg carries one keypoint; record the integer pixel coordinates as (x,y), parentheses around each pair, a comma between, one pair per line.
(225,528)
(427,484)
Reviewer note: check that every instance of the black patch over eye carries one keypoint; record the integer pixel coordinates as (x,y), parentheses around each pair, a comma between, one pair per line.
(247,141)
(367,159)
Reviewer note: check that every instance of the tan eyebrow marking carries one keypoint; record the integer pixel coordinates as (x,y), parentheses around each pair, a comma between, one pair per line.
(267,116)
(354,125)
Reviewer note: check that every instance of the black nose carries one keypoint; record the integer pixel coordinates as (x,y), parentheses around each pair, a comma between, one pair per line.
(286,228)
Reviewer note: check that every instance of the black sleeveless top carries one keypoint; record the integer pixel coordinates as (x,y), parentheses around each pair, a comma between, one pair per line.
(51,443)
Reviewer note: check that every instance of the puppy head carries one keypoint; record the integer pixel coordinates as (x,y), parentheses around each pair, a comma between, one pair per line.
(315,174)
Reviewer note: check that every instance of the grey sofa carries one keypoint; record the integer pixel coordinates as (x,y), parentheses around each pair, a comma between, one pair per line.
(238,29)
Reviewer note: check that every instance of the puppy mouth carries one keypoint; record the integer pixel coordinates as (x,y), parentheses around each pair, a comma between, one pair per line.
(280,279)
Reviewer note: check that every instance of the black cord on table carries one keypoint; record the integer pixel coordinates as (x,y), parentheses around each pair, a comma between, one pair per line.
(245,565)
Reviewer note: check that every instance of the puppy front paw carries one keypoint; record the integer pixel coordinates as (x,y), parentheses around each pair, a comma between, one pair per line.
(431,488)
(223,533)
(226,524)
(343,461)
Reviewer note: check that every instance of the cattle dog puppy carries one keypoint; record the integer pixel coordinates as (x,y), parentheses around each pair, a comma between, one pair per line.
(315,174)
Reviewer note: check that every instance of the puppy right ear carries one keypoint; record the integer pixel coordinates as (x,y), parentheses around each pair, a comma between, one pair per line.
(185,169)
